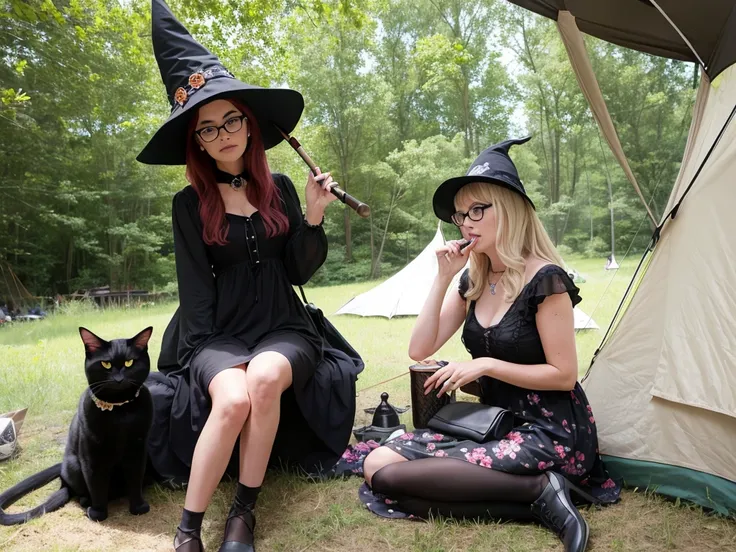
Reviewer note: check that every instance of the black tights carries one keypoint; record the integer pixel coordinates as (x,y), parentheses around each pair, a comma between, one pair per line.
(455,488)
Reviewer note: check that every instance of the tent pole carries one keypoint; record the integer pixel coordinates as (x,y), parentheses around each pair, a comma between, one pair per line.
(679,32)
(610,198)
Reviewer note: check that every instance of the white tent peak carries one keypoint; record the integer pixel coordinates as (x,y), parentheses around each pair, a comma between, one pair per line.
(403,293)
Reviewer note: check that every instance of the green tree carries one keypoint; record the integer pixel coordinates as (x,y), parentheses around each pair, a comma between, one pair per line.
(344,98)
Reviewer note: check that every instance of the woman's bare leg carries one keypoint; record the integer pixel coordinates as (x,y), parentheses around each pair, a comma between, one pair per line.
(230,409)
(268,376)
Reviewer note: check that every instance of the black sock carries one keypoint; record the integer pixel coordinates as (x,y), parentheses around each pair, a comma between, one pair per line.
(191,521)
(245,497)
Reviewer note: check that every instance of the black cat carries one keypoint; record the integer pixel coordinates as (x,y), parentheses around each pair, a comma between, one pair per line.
(105,456)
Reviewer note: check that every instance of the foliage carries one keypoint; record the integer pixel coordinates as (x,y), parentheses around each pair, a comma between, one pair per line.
(399,96)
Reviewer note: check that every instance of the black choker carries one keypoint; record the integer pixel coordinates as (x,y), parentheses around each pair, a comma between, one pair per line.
(236,181)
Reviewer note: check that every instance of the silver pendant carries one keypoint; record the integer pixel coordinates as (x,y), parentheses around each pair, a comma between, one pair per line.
(493,289)
(237,183)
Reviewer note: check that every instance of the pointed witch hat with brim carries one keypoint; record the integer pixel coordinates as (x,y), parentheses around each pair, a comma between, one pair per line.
(194,76)
(493,165)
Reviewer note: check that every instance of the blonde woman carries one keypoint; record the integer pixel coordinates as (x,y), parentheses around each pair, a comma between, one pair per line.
(515,302)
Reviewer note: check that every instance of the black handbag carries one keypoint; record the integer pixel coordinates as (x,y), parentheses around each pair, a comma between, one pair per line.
(475,421)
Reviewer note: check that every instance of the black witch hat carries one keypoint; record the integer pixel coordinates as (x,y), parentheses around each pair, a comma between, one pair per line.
(494,166)
(193,76)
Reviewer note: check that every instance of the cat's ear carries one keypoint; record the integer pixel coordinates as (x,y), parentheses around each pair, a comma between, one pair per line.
(92,343)
(140,341)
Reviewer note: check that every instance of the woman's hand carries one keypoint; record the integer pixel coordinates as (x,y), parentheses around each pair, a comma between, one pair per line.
(454,376)
(450,259)
(318,195)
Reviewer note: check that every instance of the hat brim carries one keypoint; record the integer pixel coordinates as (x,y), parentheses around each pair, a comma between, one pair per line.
(271,106)
(443,200)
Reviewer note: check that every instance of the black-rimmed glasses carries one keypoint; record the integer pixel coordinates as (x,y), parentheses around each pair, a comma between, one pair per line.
(231,126)
(475,214)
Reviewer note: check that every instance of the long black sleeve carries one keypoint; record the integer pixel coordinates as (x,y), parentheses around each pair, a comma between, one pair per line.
(197,291)
(306,249)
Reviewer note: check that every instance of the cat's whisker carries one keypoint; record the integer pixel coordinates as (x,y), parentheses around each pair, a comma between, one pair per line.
(101,386)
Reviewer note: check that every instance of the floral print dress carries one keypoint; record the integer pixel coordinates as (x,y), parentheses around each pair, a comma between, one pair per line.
(555,430)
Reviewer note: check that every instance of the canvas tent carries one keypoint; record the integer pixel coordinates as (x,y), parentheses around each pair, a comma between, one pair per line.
(663,383)
(405,292)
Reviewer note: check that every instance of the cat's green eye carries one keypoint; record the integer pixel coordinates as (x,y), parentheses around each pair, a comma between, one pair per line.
(128,363)
(106,365)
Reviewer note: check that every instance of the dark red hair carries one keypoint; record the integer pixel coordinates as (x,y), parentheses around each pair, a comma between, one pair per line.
(261,190)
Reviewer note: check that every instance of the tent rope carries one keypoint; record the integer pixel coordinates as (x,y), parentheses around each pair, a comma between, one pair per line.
(381,383)
(628,289)
(673,212)
(679,32)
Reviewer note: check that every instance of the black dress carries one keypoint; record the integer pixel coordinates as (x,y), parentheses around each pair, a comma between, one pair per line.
(555,429)
(236,301)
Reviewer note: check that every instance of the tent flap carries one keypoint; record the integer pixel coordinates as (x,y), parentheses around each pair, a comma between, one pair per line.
(583,69)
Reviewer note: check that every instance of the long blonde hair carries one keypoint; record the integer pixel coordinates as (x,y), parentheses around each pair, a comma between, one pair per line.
(519,234)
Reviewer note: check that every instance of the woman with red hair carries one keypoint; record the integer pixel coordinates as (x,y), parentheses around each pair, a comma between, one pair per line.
(241,337)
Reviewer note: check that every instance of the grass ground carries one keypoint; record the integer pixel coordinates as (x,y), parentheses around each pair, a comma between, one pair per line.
(41,368)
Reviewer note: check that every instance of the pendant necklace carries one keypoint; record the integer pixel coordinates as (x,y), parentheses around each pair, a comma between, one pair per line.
(493,284)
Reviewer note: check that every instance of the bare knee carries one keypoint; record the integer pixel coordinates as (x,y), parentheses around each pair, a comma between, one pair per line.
(230,400)
(268,379)
(233,408)
(377,459)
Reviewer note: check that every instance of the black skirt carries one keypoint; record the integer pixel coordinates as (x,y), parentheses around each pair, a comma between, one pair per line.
(226,353)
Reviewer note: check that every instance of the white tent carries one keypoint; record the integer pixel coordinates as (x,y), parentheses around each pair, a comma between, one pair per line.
(583,321)
(404,293)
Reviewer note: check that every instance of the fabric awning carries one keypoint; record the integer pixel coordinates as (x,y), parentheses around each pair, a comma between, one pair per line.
(709,26)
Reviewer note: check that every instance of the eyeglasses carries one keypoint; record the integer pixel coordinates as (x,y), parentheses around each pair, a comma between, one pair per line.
(231,126)
(475,214)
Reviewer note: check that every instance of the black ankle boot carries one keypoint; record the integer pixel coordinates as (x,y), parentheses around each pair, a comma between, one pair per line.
(239,531)
(554,508)
(187,541)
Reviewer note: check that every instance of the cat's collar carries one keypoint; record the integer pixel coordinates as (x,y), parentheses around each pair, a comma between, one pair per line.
(104,405)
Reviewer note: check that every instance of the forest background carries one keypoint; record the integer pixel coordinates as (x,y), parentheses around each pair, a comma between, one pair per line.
(399,95)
